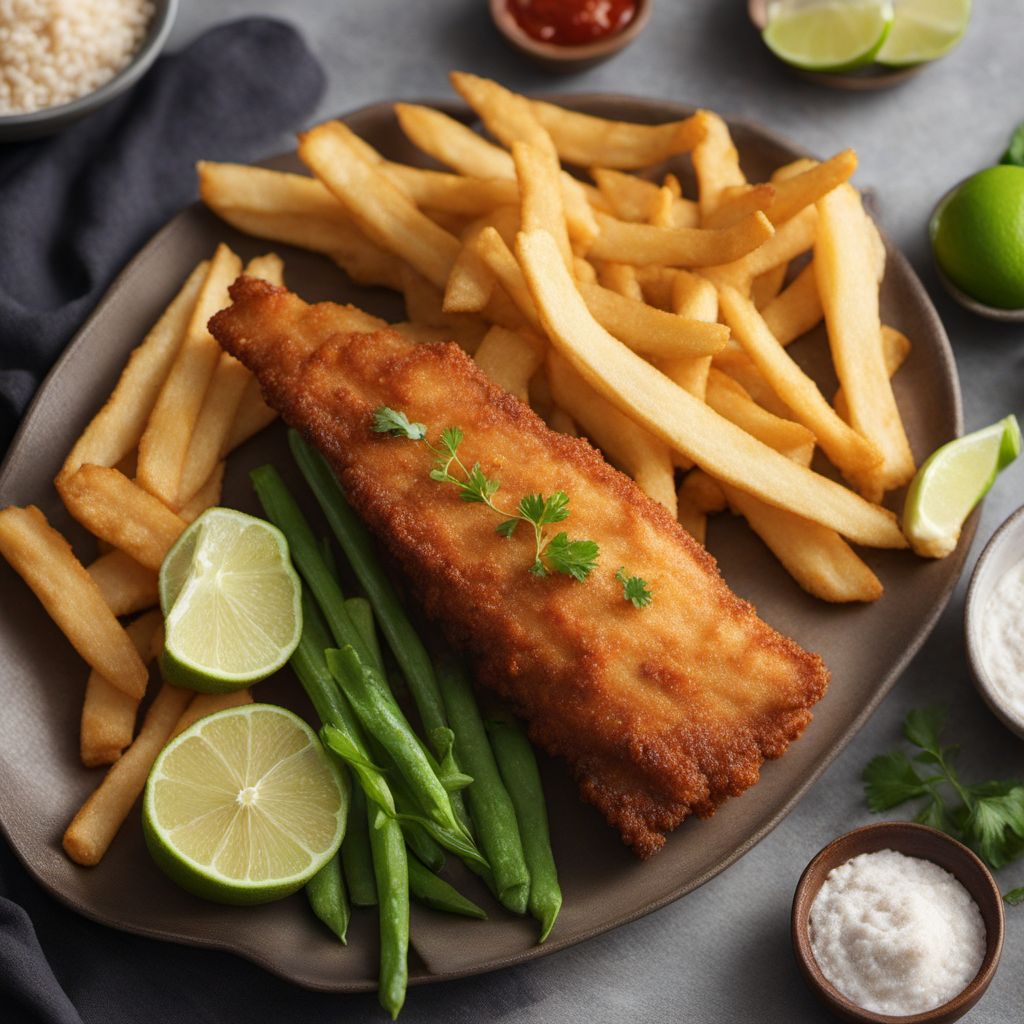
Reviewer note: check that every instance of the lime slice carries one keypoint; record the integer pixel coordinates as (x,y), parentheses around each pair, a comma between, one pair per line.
(244,806)
(952,481)
(827,35)
(231,602)
(924,30)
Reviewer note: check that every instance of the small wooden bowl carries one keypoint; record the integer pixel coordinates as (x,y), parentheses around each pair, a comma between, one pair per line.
(915,841)
(873,77)
(1003,552)
(568,59)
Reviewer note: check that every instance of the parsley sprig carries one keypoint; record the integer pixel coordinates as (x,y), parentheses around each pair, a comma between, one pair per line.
(552,552)
(987,816)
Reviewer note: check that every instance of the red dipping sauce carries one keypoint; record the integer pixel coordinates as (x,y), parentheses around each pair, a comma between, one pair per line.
(572,22)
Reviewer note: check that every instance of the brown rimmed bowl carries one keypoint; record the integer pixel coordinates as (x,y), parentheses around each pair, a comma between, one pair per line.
(913,840)
(1002,553)
(568,59)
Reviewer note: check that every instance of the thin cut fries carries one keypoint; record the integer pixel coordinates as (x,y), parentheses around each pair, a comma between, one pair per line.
(745,201)
(491,248)
(895,348)
(844,262)
(795,310)
(116,429)
(253,415)
(617,277)
(682,421)
(679,247)
(450,193)
(691,519)
(381,209)
(537,171)
(470,283)
(646,459)
(792,239)
(696,299)
(113,508)
(847,449)
(126,586)
(716,163)
(108,713)
(45,561)
(93,828)
(703,492)
(452,143)
(510,359)
(206,497)
(203,704)
(163,446)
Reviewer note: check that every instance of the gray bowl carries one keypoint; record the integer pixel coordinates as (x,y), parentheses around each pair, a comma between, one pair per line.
(1003,551)
(52,119)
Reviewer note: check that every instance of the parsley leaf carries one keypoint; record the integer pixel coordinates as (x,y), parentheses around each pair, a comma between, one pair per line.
(575,558)
(507,528)
(396,424)
(1014,896)
(890,780)
(634,589)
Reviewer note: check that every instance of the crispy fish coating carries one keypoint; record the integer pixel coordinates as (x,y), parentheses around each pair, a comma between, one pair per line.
(661,712)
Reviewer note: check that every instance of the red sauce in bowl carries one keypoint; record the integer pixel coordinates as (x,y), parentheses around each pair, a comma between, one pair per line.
(572,22)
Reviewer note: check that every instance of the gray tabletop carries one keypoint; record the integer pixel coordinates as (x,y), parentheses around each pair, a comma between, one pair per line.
(722,953)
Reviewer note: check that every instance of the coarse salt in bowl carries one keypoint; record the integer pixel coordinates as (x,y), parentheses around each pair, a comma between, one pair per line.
(62,59)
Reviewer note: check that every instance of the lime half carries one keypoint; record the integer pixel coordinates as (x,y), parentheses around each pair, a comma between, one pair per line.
(952,481)
(827,35)
(924,30)
(231,602)
(244,806)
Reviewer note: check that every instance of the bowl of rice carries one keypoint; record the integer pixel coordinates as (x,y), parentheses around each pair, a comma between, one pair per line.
(63,59)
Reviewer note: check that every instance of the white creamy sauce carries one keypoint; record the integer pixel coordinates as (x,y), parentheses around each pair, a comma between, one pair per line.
(896,934)
(1002,639)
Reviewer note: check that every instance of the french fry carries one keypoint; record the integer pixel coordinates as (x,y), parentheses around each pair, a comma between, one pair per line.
(766,287)
(164,444)
(382,211)
(844,262)
(716,163)
(206,497)
(640,455)
(295,210)
(847,449)
(678,247)
(537,171)
(452,143)
(746,199)
(584,270)
(510,359)
(797,309)
(45,561)
(691,519)
(425,304)
(450,193)
(816,557)
(619,278)
(203,704)
(222,401)
(657,284)
(703,492)
(650,331)
(93,828)
(693,298)
(126,586)
(492,249)
(629,197)
(895,348)
(682,421)
(560,420)
(115,430)
(470,283)
(734,362)
(110,506)
(253,416)
(108,713)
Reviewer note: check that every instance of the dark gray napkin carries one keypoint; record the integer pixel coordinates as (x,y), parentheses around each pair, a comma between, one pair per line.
(75,208)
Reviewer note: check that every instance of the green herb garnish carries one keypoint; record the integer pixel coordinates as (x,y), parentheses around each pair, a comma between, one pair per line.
(987,816)
(557,553)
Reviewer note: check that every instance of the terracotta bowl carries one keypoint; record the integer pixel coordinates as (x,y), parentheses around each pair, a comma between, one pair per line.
(1003,551)
(873,77)
(915,841)
(568,59)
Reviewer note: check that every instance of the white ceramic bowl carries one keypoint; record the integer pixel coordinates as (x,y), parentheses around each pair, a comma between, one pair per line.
(1003,551)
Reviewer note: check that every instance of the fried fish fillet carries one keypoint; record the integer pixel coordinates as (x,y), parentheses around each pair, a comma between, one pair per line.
(661,712)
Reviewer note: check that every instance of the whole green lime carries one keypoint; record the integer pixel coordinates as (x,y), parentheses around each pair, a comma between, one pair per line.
(978,237)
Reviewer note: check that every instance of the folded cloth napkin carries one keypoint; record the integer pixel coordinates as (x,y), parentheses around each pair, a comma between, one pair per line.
(74,208)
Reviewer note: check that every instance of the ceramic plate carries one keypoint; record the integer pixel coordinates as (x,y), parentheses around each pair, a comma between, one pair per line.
(42,680)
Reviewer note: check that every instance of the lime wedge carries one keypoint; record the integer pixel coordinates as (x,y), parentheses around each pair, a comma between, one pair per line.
(244,806)
(924,30)
(231,602)
(827,35)
(952,481)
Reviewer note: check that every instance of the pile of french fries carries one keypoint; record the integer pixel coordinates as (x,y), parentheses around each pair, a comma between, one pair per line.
(652,323)
(149,462)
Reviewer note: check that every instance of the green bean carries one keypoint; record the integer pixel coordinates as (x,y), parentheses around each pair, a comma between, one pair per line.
(489,801)
(518,766)
(380,715)
(307,555)
(327,553)
(435,892)
(356,858)
(361,614)
(326,894)
(420,842)
(401,636)
(390,866)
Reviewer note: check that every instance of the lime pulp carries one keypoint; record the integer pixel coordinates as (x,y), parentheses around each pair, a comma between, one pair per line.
(924,30)
(827,35)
